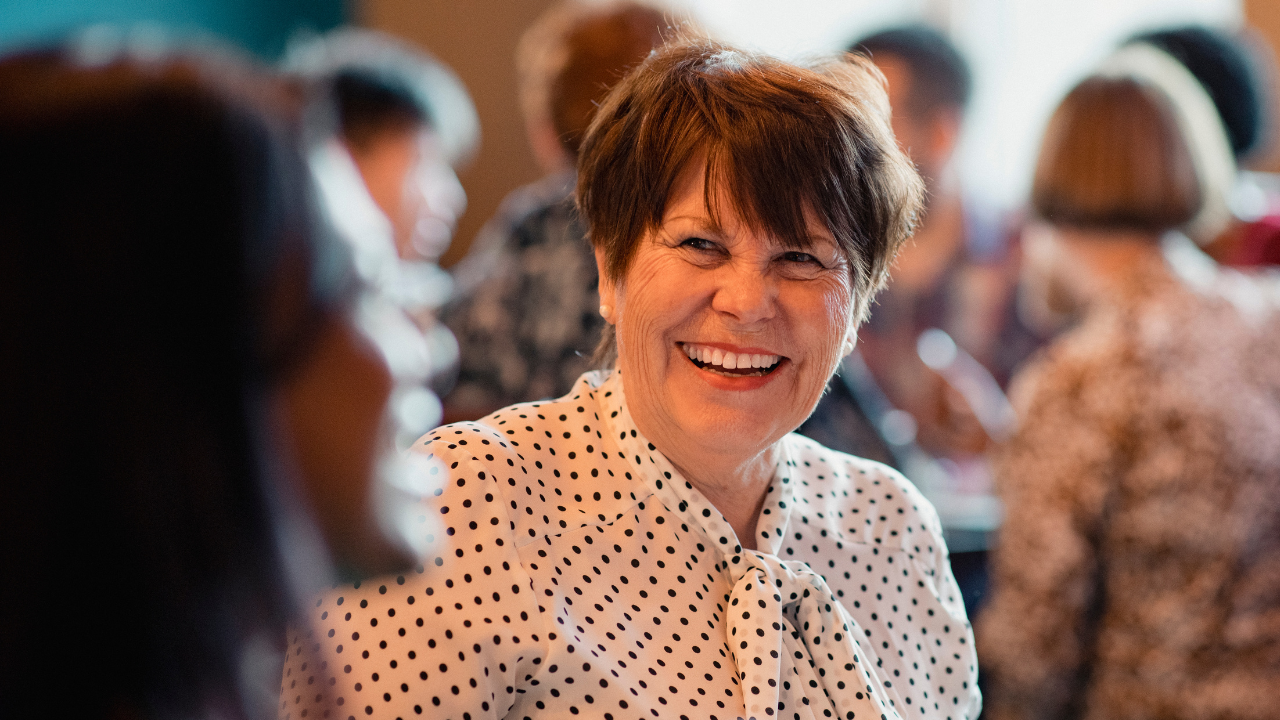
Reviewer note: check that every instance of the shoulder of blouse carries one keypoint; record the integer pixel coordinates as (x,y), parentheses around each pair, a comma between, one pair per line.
(455,634)
(869,501)
(551,484)
(555,469)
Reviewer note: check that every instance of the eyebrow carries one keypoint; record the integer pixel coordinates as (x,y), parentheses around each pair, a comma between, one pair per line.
(706,223)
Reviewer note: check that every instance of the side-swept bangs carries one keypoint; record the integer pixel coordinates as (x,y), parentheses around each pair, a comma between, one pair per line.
(780,139)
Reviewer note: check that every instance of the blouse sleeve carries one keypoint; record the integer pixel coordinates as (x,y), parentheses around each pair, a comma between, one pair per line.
(453,638)
(957,646)
(1034,637)
(940,621)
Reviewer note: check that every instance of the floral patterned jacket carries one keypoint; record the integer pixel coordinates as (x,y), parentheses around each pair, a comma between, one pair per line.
(1138,571)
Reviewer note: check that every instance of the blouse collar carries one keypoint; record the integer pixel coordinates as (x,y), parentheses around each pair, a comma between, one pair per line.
(679,495)
(790,640)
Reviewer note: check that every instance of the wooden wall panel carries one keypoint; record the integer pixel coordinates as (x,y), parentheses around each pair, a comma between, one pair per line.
(1263,16)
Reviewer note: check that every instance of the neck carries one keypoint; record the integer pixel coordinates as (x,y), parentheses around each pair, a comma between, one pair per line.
(733,481)
(737,493)
(1106,262)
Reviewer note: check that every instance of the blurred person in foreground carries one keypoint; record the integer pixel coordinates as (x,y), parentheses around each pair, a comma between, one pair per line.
(650,544)
(193,422)
(957,274)
(1138,569)
(525,315)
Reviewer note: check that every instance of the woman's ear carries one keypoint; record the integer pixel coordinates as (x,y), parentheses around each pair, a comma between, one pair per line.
(850,341)
(608,290)
(851,332)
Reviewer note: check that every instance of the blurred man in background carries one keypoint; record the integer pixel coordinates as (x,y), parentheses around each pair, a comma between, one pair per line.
(526,316)
(958,274)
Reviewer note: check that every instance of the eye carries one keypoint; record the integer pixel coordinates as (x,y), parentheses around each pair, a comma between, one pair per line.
(800,265)
(698,243)
(803,258)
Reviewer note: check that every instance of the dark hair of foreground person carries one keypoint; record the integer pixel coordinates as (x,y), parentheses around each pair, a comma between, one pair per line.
(159,275)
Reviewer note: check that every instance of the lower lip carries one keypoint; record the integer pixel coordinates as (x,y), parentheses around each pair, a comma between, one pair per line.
(736,384)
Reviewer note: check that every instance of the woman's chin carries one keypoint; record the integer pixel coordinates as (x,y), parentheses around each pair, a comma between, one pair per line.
(746,410)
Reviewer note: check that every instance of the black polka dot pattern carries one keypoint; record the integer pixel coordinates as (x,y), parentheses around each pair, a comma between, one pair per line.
(574,572)
(774,598)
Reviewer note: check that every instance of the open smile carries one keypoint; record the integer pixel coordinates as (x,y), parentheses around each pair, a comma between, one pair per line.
(731,364)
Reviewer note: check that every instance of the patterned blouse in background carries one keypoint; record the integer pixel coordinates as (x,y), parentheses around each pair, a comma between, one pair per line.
(1138,574)
(527,313)
(575,574)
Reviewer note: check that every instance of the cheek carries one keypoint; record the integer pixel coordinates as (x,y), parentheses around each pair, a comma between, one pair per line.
(832,316)
(385,167)
(655,294)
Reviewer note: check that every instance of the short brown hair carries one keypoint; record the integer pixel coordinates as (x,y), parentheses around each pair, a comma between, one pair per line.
(780,138)
(1114,157)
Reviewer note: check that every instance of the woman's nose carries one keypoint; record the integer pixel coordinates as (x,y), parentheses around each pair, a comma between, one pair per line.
(745,293)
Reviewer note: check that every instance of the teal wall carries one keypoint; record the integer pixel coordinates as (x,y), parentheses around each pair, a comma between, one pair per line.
(260,26)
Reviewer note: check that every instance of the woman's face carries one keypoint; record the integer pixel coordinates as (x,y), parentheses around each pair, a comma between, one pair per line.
(767,326)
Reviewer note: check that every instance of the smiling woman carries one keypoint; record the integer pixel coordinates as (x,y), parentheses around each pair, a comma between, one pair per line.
(722,290)
(679,182)
(658,543)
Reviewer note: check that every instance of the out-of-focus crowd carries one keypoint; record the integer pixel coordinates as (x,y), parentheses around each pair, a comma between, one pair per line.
(223,317)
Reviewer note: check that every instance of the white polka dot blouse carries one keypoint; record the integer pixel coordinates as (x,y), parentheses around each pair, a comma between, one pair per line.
(574,572)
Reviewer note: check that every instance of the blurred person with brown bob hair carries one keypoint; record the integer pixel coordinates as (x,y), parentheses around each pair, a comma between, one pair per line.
(569,59)
(658,542)
(184,396)
(525,314)
(1139,561)
(1114,158)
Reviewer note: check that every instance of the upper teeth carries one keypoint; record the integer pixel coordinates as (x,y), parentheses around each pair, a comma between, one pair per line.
(729,360)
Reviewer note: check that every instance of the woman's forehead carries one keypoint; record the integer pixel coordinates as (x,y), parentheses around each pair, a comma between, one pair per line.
(714,209)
